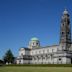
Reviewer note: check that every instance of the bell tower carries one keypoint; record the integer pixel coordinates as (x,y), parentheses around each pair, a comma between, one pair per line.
(65,31)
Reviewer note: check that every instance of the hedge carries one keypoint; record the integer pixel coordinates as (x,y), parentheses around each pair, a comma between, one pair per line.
(41,65)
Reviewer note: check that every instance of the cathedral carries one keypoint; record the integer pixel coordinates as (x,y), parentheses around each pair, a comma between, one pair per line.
(55,54)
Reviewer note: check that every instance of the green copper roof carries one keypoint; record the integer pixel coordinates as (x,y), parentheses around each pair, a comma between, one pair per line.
(34,39)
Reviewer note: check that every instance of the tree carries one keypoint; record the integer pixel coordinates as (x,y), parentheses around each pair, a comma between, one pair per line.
(8,58)
(1,62)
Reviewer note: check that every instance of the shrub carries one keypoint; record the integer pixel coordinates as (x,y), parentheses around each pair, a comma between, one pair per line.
(42,65)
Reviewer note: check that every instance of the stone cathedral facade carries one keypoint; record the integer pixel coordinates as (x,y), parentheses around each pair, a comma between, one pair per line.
(56,54)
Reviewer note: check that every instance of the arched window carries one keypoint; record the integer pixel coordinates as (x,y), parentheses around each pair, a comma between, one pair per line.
(59,59)
(62,33)
(37,43)
(21,54)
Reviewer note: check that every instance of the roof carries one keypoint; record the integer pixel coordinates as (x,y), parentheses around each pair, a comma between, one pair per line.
(38,47)
(24,48)
(45,47)
(34,39)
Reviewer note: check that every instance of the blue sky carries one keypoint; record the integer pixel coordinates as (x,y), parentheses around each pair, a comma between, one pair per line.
(20,20)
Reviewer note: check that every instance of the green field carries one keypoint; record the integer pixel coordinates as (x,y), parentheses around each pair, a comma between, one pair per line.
(35,69)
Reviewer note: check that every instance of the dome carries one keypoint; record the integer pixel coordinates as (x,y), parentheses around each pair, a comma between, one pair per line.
(65,11)
(34,39)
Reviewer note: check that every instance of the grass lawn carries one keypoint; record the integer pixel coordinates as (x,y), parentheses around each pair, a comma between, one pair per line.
(35,69)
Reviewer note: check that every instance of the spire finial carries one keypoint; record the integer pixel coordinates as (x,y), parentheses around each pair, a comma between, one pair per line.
(65,11)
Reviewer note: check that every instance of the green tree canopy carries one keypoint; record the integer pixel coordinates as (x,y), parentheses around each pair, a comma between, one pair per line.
(8,57)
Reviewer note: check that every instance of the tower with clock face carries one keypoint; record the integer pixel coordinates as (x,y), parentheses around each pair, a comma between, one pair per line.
(65,31)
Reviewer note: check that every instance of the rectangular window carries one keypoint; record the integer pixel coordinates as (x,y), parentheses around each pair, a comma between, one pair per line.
(47,51)
(43,51)
(36,52)
(39,52)
(52,50)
